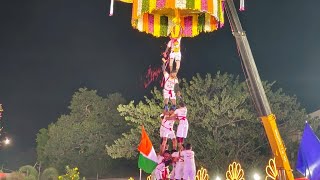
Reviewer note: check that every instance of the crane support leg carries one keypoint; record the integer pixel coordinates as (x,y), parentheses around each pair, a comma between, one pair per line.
(257,91)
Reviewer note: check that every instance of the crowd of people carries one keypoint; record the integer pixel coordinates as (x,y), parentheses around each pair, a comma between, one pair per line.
(180,159)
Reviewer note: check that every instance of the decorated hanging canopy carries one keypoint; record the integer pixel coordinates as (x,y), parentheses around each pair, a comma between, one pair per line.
(187,18)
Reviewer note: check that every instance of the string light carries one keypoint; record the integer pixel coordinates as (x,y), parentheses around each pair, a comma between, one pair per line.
(7,141)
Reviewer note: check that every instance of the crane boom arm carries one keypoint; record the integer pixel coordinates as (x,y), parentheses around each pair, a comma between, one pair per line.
(257,92)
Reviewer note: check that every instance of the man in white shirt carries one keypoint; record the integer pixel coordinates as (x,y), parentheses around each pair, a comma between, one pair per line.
(189,167)
(179,162)
(182,130)
(174,158)
(166,131)
(175,53)
(161,171)
(170,81)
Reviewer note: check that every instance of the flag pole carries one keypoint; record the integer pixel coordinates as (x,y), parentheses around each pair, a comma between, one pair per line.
(140,173)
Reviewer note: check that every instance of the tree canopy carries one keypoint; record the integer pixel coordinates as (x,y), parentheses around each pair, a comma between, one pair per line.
(79,137)
(223,123)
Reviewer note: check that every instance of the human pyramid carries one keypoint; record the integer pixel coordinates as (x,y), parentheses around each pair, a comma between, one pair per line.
(181,160)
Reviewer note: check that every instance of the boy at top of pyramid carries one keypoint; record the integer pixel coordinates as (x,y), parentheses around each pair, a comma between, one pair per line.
(174,45)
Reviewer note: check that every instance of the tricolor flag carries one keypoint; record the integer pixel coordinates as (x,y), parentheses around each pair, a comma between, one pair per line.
(148,158)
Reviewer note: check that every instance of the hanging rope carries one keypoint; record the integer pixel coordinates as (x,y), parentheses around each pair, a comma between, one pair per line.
(111,7)
(241,5)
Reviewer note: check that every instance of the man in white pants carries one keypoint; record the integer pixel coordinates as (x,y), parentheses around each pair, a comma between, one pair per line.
(170,81)
(166,131)
(175,54)
(178,169)
(161,169)
(189,167)
(174,158)
(182,130)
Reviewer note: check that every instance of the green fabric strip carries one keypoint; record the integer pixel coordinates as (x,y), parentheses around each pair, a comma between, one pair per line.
(201,22)
(145,6)
(190,4)
(163,25)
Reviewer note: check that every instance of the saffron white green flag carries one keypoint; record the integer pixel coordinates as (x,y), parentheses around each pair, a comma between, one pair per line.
(148,160)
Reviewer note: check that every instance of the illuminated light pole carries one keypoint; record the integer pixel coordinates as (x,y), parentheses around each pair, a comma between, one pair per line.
(218,178)
(6,141)
(1,111)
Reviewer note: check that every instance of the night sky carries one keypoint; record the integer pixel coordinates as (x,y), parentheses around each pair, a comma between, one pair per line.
(50,48)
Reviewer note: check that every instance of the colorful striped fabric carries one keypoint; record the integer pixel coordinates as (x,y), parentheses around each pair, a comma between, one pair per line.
(152,17)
